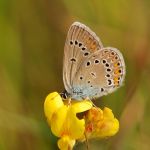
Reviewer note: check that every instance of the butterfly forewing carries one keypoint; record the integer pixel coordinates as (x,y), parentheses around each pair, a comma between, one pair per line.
(81,42)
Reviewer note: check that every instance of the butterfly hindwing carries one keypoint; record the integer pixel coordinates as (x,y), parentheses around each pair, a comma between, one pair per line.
(101,73)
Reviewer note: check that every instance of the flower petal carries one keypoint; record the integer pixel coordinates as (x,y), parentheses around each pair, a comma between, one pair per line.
(52,102)
(65,122)
(58,120)
(100,124)
(108,113)
(75,126)
(81,106)
(65,143)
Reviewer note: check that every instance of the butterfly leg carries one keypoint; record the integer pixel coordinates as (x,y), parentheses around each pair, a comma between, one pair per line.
(87,98)
(69,101)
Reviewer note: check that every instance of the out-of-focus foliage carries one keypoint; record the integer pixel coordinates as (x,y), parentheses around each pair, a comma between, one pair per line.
(32,36)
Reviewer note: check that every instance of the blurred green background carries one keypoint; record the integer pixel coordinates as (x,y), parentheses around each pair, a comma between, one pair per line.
(32,37)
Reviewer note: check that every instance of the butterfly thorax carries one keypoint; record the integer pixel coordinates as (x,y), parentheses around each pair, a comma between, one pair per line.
(81,92)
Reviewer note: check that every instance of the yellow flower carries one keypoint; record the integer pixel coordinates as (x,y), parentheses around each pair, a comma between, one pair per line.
(63,120)
(100,123)
(64,123)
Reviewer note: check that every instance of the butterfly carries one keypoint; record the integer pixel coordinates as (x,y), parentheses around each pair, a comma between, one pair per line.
(89,69)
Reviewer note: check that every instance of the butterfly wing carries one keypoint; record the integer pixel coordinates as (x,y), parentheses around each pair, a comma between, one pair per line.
(101,73)
(80,43)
